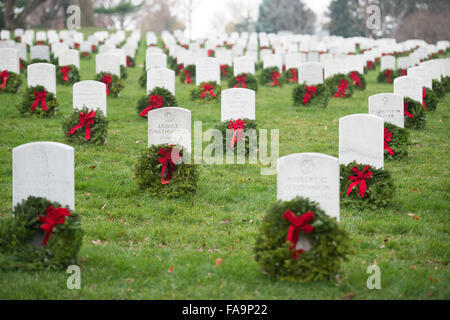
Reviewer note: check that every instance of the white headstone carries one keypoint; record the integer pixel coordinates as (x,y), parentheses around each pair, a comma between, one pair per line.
(42,74)
(421,73)
(155,60)
(388,106)
(107,62)
(161,77)
(40,52)
(90,94)
(387,62)
(237,103)
(9,60)
(273,60)
(310,73)
(207,69)
(243,65)
(410,87)
(69,57)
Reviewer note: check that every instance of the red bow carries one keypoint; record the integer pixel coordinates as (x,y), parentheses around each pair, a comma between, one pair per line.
(359,178)
(298,223)
(405,110)
(77,45)
(403,72)
(167,162)
(310,91)
(39,97)
(370,65)
(107,80)
(40,42)
(129,62)
(84,54)
(52,218)
(223,69)
(293,76)
(343,84)
(207,88)
(20,64)
(180,67)
(93,48)
(355,78)
(188,77)
(238,128)
(86,120)
(65,71)
(4,75)
(275,76)
(155,101)
(424,95)
(210,52)
(387,139)
(241,81)
(388,74)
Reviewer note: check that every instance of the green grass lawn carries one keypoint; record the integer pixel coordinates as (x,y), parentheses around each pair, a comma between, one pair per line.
(142,237)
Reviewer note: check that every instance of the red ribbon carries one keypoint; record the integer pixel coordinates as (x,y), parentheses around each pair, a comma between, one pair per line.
(107,80)
(4,75)
(293,75)
(355,78)
(388,74)
(39,97)
(207,88)
(188,77)
(387,139)
(52,218)
(405,110)
(223,69)
(241,81)
(343,84)
(20,64)
(310,91)
(238,127)
(275,76)
(210,52)
(298,223)
(129,62)
(84,54)
(424,95)
(167,162)
(403,72)
(40,42)
(370,65)
(77,45)
(155,101)
(180,67)
(359,178)
(93,48)
(86,120)
(65,72)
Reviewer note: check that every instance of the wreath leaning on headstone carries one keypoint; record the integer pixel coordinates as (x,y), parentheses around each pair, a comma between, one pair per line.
(325,244)
(446,84)
(430,99)
(226,71)
(386,76)
(415,116)
(10,82)
(131,63)
(23,64)
(243,80)
(358,80)
(38,102)
(160,170)
(316,95)
(271,77)
(206,92)
(396,142)
(143,79)
(290,76)
(40,235)
(114,84)
(123,72)
(438,89)
(157,98)
(340,86)
(235,131)
(364,186)
(86,126)
(187,74)
(67,75)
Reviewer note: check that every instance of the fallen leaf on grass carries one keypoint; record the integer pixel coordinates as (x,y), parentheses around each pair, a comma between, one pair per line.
(350,296)
(326,128)
(412,215)
(129,280)
(88,194)
(226,221)
(92,167)
(96,242)
(413,267)
(219,261)
(170,269)
(138,141)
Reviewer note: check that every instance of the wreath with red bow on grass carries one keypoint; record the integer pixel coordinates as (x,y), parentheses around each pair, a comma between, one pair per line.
(38,102)
(271,77)
(161,172)
(131,62)
(85,55)
(86,126)
(438,89)
(396,142)
(187,74)
(387,76)
(67,75)
(430,99)
(226,71)
(363,186)
(282,226)
(243,80)
(290,76)
(206,92)
(358,80)
(415,114)
(113,83)
(237,132)
(10,82)
(40,234)
(307,96)
(340,86)
(157,98)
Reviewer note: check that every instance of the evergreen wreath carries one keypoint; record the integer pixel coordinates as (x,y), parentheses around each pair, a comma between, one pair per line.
(25,245)
(37,60)
(438,89)
(131,63)
(307,96)
(187,74)
(85,55)
(226,72)
(271,77)
(94,49)
(206,92)
(400,73)
(171,63)
(358,80)
(337,87)
(415,116)
(290,76)
(148,169)
(396,142)
(67,75)
(123,72)
(167,99)
(274,252)
(446,84)
(379,190)
(250,128)
(386,76)
(114,84)
(143,79)
(23,65)
(430,100)
(10,82)
(244,78)
(38,102)
(87,120)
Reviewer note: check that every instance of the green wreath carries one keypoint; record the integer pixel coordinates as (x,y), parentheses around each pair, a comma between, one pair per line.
(171,62)
(40,61)
(226,72)
(73,75)
(380,188)
(23,65)
(250,129)
(169,99)
(400,73)
(147,173)
(123,72)
(131,63)
(99,130)
(250,82)
(94,49)
(438,89)
(21,237)
(28,99)
(446,84)
(13,83)
(415,116)
(330,245)
(53,60)
(143,80)
(115,86)
(265,77)
(362,80)
(198,91)
(189,68)
(287,76)
(431,100)
(319,99)
(333,82)
(383,76)
(40,43)
(85,55)
(397,147)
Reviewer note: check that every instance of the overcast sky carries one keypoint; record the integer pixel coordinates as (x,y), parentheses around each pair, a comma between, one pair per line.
(211,15)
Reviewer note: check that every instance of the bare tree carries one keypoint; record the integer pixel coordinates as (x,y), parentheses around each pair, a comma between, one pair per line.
(16,18)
